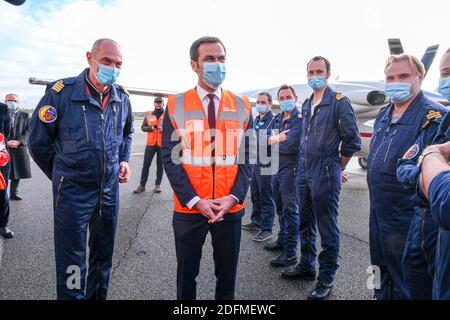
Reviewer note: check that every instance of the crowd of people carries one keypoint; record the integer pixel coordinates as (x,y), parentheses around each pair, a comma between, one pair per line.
(213,151)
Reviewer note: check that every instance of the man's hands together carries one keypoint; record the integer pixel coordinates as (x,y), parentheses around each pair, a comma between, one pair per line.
(215,209)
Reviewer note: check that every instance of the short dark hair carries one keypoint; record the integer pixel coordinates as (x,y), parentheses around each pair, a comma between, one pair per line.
(284,87)
(320,58)
(448,50)
(193,52)
(268,95)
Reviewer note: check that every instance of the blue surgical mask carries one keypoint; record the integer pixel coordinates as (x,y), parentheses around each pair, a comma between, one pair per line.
(398,92)
(13,105)
(214,73)
(444,88)
(262,108)
(317,83)
(107,75)
(287,106)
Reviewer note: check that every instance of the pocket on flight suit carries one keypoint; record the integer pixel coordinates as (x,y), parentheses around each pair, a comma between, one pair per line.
(76,147)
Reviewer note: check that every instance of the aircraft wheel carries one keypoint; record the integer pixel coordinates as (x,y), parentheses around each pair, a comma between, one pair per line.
(363,163)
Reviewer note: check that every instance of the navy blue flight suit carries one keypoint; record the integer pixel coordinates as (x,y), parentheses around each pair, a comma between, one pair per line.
(328,134)
(79,147)
(439,197)
(391,207)
(284,184)
(418,262)
(263,212)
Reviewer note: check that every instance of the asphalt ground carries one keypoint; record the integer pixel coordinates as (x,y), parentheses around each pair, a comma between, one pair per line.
(144,265)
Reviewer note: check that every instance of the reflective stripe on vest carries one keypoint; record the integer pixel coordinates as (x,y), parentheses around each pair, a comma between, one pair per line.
(211,177)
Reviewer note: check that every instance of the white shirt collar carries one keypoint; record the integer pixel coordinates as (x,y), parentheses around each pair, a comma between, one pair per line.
(202,93)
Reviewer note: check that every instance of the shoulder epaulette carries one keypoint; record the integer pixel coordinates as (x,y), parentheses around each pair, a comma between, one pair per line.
(431,116)
(124,90)
(339,96)
(58,86)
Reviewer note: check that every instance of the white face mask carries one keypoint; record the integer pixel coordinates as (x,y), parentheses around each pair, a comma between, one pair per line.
(13,105)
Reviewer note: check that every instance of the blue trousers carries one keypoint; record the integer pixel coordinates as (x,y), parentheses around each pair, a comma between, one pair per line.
(420,254)
(391,213)
(263,212)
(319,201)
(76,208)
(284,188)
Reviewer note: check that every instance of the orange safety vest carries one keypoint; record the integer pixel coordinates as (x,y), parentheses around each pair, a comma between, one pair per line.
(211,178)
(154,137)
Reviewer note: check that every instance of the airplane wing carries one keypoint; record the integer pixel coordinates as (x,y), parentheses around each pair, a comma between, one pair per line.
(131,90)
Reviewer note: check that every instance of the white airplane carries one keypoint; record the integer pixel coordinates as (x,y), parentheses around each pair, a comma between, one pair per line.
(367,97)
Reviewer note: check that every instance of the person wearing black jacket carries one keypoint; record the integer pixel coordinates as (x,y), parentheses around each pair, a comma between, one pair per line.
(17,145)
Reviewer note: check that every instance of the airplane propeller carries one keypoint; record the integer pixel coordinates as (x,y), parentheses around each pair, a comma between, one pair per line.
(395,47)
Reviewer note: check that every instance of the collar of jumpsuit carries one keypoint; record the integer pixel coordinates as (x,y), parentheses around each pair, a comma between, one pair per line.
(409,116)
(80,93)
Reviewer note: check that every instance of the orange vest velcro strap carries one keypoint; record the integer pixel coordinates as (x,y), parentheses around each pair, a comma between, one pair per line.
(211,174)
(2,182)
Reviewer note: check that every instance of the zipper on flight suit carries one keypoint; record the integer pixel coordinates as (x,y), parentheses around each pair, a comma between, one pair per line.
(389,147)
(114,120)
(379,147)
(424,214)
(328,176)
(85,123)
(59,191)
(315,125)
(103,165)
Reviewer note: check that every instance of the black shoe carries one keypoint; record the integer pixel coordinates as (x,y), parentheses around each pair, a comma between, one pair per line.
(15,197)
(251,226)
(6,233)
(321,291)
(273,246)
(297,273)
(283,261)
(263,236)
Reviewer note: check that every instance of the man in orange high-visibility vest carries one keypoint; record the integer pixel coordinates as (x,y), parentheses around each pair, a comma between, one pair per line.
(152,124)
(202,150)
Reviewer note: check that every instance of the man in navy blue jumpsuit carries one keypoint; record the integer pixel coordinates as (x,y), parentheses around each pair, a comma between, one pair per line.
(263,212)
(330,137)
(396,129)
(435,185)
(418,262)
(289,124)
(80,136)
